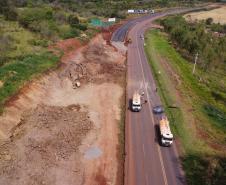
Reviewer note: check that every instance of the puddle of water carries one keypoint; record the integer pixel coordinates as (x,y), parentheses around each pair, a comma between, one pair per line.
(93,153)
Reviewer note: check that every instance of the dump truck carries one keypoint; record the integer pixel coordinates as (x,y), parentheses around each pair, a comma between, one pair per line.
(165,132)
(136,102)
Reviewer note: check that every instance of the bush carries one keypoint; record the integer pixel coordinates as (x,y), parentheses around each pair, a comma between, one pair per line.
(8,10)
(73,32)
(11,14)
(73,20)
(82,27)
(39,42)
(60,17)
(209,21)
(7,45)
(35,26)
(30,15)
(218,28)
(215,114)
(193,38)
(205,170)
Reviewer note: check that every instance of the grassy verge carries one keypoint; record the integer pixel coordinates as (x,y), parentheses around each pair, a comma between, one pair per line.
(204,162)
(121,145)
(23,56)
(14,74)
(121,136)
(168,93)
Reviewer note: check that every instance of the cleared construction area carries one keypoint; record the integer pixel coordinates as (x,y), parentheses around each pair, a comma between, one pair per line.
(63,127)
(218,15)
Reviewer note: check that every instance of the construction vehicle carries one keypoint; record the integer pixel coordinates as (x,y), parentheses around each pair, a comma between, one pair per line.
(129,41)
(165,132)
(136,102)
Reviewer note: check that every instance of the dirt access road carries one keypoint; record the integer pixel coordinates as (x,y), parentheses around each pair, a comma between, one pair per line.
(57,134)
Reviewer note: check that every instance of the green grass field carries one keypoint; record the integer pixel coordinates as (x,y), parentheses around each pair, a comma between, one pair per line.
(14,74)
(24,53)
(22,59)
(22,39)
(177,86)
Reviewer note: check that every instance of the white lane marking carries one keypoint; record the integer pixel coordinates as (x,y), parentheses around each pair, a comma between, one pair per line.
(159,152)
(146,178)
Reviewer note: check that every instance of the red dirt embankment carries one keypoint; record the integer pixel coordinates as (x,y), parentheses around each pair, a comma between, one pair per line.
(68,47)
(107,32)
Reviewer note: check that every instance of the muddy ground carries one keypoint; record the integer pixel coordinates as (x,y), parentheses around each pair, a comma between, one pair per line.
(62,129)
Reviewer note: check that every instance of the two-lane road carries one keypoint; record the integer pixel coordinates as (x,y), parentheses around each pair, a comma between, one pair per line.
(146,162)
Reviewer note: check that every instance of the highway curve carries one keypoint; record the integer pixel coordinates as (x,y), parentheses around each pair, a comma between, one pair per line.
(146,162)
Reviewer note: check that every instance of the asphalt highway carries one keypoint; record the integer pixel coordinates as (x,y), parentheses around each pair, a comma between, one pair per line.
(120,34)
(146,162)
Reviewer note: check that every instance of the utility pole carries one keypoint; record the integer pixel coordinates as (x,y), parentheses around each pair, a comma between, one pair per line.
(196,58)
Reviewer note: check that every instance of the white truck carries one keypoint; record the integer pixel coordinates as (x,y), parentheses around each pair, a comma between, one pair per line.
(130,11)
(136,102)
(165,132)
(152,11)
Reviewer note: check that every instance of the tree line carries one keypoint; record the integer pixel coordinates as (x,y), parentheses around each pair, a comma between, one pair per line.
(197,38)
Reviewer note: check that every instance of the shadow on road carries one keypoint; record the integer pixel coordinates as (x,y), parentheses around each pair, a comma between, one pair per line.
(130,104)
(157,134)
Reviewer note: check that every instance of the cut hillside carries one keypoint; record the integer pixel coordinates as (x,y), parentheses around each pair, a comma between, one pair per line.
(72,131)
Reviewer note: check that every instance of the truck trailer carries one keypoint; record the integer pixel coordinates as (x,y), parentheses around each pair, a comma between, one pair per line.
(165,132)
(136,102)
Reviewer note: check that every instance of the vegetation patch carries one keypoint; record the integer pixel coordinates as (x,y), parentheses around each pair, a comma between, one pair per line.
(16,41)
(208,81)
(51,23)
(121,145)
(217,116)
(194,38)
(204,169)
(16,73)
(197,123)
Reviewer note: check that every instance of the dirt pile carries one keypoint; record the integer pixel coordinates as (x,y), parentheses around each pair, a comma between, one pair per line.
(98,63)
(44,147)
(106,63)
(75,72)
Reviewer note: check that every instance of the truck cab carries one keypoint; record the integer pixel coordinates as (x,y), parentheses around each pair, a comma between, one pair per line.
(165,132)
(167,139)
(152,11)
(136,102)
